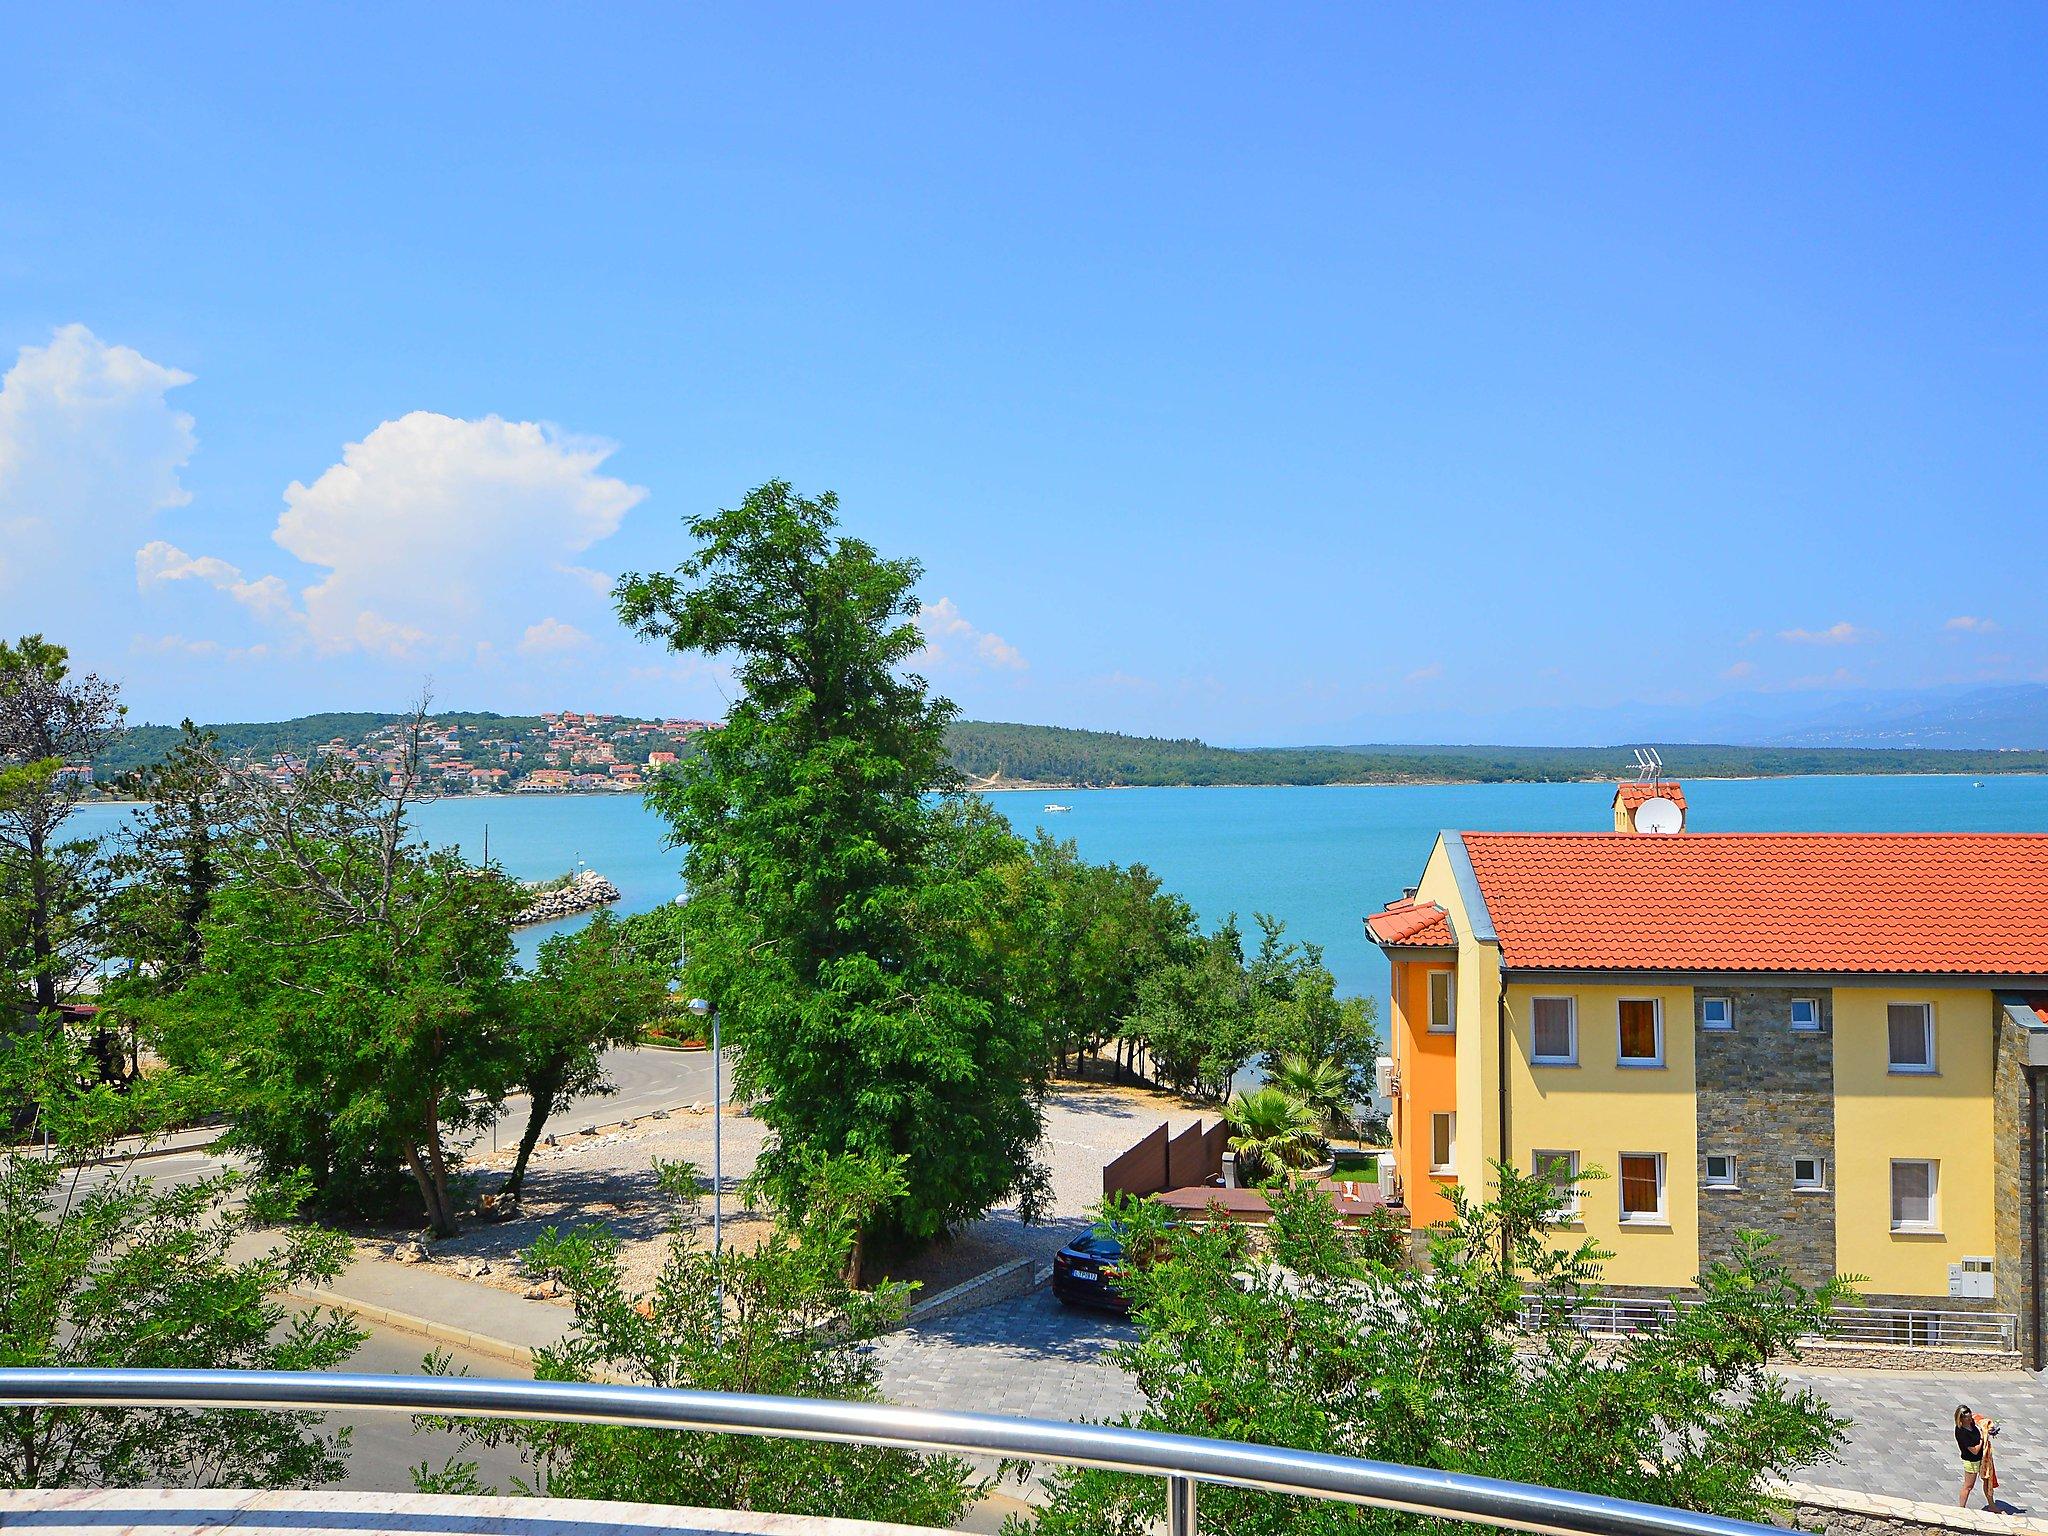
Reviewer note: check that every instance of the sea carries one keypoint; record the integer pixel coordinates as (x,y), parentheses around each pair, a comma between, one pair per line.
(1318,858)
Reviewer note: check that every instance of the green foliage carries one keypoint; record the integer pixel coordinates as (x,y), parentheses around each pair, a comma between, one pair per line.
(870,937)
(1046,754)
(1319,1337)
(50,886)
(1320,1086)
(1197,1017)
(1107,928)
(789,1324)
(590,989)
(1275,1132)
(104,1268)
(355,1003)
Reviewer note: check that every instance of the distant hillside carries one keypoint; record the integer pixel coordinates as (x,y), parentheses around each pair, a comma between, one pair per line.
(141,745)
(997,753)
(1047,754)
(2012,715)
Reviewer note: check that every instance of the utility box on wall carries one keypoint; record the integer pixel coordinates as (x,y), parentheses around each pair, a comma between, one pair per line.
(1972,1277)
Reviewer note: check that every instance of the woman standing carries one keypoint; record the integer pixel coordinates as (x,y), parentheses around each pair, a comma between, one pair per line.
(1973,1440)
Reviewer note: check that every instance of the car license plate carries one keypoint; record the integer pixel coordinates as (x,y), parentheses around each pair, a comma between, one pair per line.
(1087,1275)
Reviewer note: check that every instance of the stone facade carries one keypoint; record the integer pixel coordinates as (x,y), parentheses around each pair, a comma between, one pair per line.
(1851,1512)
(2012,1260)
(1766,1095)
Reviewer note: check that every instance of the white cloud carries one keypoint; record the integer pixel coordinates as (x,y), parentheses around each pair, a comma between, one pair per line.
(949,640)
(90,448)
(598,583)
(1968,624)
(551,637)
(431,533)
(157,563)
(1426,674)
(1843,633)
(428,524)
(1740,670)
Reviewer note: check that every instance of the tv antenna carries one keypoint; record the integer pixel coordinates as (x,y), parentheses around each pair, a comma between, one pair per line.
(1649,766)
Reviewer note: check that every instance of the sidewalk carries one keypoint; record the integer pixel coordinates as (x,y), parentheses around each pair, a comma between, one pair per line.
(416,1298)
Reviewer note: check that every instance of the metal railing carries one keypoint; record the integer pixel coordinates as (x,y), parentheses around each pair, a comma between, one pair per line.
(1183,1461)
(1920,1327)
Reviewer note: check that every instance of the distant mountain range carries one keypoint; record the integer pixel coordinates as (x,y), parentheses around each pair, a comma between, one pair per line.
(2006,717)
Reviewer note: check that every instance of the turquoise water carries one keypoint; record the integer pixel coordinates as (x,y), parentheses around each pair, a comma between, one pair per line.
(1319,858)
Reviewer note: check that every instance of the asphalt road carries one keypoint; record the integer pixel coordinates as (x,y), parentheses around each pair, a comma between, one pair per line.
(383,1449)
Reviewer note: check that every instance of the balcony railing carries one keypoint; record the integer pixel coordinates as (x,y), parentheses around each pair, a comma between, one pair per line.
(1183,1462)
(1919,1327)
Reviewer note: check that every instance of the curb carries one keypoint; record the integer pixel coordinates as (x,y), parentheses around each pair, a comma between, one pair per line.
(406,1322)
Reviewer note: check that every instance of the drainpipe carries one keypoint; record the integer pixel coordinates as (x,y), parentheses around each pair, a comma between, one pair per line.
(1501,1039)
(2036,1350)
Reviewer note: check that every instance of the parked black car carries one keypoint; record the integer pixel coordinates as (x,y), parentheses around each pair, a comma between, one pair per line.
(1085,1272)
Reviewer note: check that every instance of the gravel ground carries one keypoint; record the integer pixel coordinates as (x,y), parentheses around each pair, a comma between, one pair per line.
(606,1177)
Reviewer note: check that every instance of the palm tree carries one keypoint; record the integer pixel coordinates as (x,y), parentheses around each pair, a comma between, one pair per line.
(1323,1085)
(1274,1131)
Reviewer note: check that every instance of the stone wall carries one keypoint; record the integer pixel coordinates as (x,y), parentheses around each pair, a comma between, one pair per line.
(1849,1512)
(585,893)
(1766,1094)
(2012,1257)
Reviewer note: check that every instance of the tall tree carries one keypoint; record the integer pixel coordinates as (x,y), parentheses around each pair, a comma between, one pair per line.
(859,937)
(168,861)
(52,725)
(355,999)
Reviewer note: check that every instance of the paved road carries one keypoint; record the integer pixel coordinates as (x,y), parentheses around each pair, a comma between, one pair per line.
(1031,1357)
(383,1450)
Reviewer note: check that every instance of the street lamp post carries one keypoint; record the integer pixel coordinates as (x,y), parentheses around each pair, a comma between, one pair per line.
(705,1010)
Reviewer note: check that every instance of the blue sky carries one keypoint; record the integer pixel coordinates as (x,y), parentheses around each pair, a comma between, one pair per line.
(1265,373)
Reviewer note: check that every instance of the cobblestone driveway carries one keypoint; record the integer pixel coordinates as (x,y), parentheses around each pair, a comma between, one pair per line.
(1036,1358)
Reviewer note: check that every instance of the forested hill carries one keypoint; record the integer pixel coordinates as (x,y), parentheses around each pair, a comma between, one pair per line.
(1048,754)
(1000,753)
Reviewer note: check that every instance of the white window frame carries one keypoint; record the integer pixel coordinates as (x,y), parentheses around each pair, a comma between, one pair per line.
(1792,1016)
(1732,1180)
(1657,1023)
(1449,1026)
(1542,1157)
(1727,1005)
(1819,1181)
(1933,1221)
(1661,1217)
(1927,1068)
(1571,1057)
(1448,1118)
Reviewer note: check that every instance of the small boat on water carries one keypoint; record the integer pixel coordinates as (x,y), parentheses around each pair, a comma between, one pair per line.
(1054,808)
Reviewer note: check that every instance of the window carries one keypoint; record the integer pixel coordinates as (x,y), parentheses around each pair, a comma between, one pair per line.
(1806,1013)
(1443,999)
(1642,1033)
(1443,1141)
(1715,1013)
(1562,1169)
(1914,1189)
(1809,1173)
(1642,1187)
(1554,1031)
(1909,1030)
(1720,1170)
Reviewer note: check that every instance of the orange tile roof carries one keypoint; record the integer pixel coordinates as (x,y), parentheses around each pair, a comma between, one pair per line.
(1423,924)
(1964,904)
(1632,796)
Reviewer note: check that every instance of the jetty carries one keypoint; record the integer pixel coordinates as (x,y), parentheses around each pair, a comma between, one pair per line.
(565,896)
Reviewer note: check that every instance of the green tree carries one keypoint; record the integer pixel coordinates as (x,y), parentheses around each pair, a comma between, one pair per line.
(589,990)
(1275,1131)
(168,862)
(108,1269)
(1300,1013)
(1108,928)
(1319,1085)
(867,935)
(52,724)
(1321,1337)
(355,1005)
(1197,1017)
(789,1324)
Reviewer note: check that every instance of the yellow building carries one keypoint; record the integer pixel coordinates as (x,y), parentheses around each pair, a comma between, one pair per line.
(1838,1040)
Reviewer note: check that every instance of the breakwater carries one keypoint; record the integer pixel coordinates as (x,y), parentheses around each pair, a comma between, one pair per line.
(566,896)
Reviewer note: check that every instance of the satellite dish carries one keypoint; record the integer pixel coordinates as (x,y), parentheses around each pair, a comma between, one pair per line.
(1659,813)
